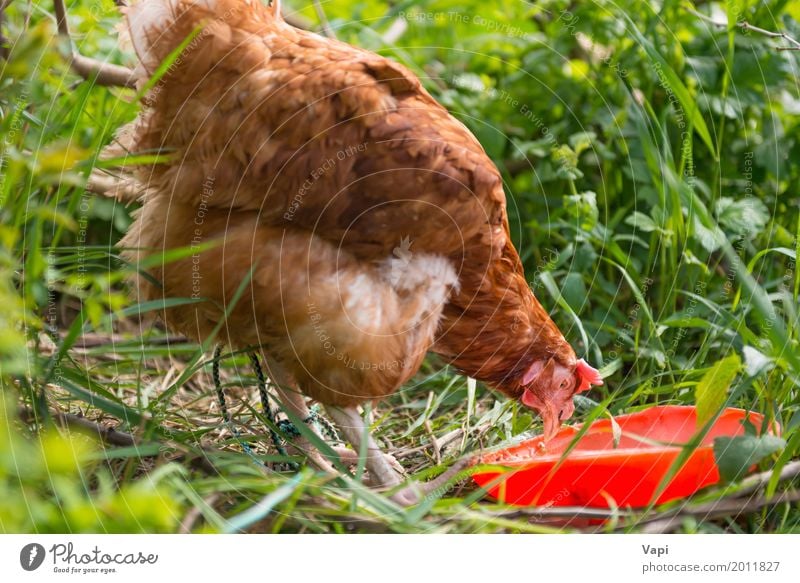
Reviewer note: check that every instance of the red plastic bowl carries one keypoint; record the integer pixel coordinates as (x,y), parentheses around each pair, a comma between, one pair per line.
(595,473)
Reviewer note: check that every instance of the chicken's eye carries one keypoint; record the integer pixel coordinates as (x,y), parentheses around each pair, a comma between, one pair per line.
(564,384)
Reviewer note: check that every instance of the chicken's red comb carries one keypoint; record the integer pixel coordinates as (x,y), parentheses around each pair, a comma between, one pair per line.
(588,374)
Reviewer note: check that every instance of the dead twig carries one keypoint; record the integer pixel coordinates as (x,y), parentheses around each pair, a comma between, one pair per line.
(93,340)
(437,453)
(725,508)
(438,444)
(741,501)
(659,523)
(107,434)
(106,74)
(187,524)
(541,513)
(110,435)
(757,481)
(746,26)
(111,75)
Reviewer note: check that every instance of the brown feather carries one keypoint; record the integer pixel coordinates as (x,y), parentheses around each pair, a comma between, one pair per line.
(322,158)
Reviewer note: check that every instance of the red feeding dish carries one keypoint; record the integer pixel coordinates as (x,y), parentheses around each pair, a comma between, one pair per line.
(597,474)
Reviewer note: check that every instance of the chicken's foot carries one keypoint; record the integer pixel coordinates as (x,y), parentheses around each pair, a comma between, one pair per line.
(294,403)
(382,474)
(356,431)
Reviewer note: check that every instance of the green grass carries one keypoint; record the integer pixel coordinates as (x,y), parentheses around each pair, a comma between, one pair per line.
(651,165)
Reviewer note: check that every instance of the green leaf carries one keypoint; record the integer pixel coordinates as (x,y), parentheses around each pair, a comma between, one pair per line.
(755,361)
(120,411)
(735,455)
(583,207)
(582,141)
(157,305)
(264,506)
(641,222)
(131,160)
(574,291)
(566,161)
(493,141)
(710,237)
(176,254)
(712,389)
(671,82)
(746,217)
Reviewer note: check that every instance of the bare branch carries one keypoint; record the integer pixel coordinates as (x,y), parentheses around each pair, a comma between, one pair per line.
(437,452)
(541,513)
(106,433)
(111,75)
(106,74)
(745,26)
(196,512)
(439,444)
(659,523)
(93,340)
(109,434)
(756,481)
(719,509)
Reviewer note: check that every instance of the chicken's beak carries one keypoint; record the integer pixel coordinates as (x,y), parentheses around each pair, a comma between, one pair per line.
(553,411)
(551,418)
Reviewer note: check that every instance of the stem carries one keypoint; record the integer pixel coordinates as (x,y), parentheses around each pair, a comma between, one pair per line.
(106,74)
(323,20)
(744,25)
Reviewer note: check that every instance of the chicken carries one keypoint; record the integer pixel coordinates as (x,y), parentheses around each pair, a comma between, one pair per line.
(338,218)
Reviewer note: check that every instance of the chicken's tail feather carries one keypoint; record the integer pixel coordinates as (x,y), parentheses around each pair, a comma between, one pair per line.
(157,27)
(148,22)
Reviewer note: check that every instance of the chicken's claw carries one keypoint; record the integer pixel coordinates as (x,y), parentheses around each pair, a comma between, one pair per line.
(415,492)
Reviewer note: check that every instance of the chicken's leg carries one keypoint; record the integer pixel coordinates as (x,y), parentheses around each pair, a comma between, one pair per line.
(382,474)
(294,402)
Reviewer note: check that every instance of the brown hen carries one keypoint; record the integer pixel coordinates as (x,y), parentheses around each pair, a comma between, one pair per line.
(357,224)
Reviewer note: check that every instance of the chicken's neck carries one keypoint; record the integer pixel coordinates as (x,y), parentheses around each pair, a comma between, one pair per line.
(495,327)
